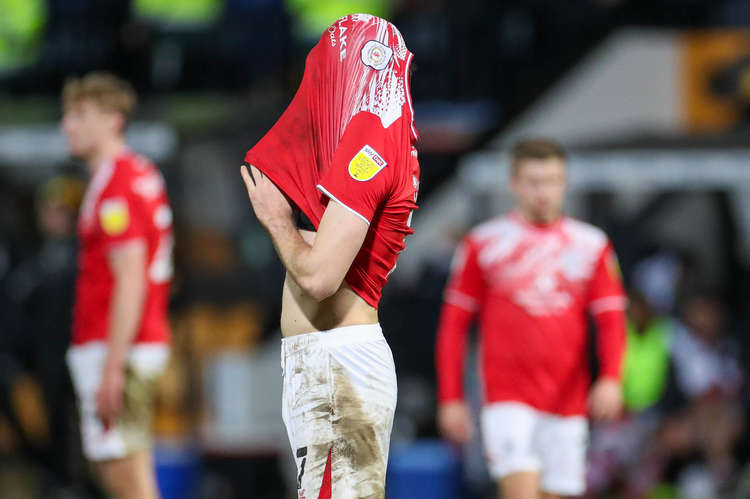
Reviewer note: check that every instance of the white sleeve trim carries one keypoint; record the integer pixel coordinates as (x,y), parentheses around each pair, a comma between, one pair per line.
(610,303)
(461,300)
(324,191)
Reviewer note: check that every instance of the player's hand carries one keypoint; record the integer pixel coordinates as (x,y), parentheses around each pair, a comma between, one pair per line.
(454,421)
(605,399)
(109,398)
(269,203)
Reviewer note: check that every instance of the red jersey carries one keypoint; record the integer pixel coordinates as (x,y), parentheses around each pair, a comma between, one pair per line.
(531,287)
(347,135)
(125,203)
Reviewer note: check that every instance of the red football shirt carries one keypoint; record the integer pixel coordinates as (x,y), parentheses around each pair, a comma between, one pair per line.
(531,287)
(382,190)
(125,203)
(347,135)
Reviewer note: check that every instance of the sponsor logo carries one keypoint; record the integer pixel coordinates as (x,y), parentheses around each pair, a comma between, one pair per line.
(376,55)
(114,216)
(366,164)
(332,35)
(341,30)
(342,39)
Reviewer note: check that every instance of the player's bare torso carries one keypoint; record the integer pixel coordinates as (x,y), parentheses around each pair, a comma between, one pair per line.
(302,314)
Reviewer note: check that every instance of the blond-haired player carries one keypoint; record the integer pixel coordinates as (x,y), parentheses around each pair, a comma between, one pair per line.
(120,328)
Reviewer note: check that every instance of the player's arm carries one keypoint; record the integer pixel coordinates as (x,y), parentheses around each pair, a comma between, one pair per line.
(607,303)
(460,305)
(128,266)
(125,244)
(357,181)
(320,268)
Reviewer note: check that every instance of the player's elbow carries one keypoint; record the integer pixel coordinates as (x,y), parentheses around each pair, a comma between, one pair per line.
(319,287)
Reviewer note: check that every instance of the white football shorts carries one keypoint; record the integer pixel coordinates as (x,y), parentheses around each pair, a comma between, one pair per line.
(338,404)
(132,432)
(518,438)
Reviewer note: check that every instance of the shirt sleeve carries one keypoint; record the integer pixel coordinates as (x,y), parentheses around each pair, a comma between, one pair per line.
(461,303)
(607,303)
(466,283)
(361,172)
(120,216)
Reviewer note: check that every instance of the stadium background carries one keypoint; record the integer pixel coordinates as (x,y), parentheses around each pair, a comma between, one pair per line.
(651,97)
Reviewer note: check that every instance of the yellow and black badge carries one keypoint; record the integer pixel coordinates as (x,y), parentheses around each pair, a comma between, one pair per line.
(366,164)
(114,216)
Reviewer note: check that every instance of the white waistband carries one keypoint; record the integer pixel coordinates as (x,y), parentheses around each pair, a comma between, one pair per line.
(144,357)
(346,335)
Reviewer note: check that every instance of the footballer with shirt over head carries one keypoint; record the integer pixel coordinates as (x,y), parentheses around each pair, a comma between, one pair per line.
(334,183)
(120,329)
(531,278)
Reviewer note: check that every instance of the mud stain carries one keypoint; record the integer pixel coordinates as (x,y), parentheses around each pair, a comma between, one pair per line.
(358,458)
(334,416)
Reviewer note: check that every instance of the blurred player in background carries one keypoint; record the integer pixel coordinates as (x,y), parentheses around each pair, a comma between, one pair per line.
(335,182)
(531,277)
(120,329)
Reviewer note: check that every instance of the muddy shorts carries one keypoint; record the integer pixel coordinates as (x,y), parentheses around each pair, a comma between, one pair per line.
(338,404)
(132,432)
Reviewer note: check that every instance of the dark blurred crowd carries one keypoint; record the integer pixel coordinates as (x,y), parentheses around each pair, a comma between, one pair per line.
(36,297)
(505,52)
(685,395)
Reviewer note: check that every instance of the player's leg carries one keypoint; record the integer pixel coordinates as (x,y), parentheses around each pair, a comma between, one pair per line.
(364,402)
(519,485)
(131,477)
(306,410)
(122,454)
(508,433)
(562,445)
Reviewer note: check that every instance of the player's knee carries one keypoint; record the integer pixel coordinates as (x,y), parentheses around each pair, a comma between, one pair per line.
(521,485)
(127,478)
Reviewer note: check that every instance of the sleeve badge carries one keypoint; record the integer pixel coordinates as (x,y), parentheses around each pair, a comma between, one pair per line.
(366,164)
(114,216)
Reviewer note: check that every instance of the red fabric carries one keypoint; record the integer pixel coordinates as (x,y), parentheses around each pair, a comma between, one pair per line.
(610,321)
(611,338)
(125,203)
(451,350)
(347,102)
(531,288)
(325,487)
